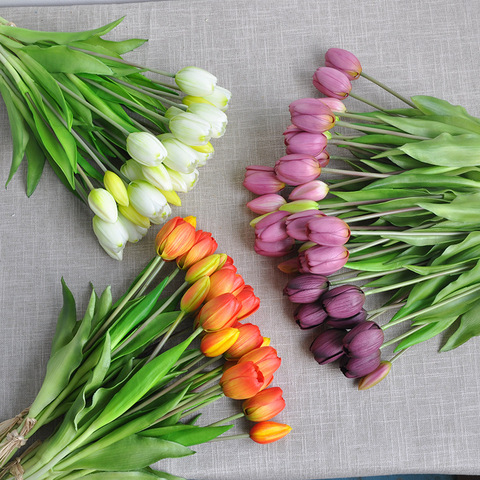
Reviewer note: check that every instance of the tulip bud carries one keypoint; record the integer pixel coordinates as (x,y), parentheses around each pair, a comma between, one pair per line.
(376,376)
(344,61)
(311,115)
(148,201)
(180,157)
(204,246)
(111,236)
(315,190)
(219,313)
(182,182)
(274,249)
(324,158)
(266,203)
(205,266)
(264,405)
(132,170)
(335,105)
(344,301)
(296,224)
(306,143)
(158,176)
(145,148)
(268,432)
(358,367)
(195,81)
(221,281)
(135,232)
(329,231)
(242,381)
(272,228)
(131,214)
(332,82)
(289,266)
(297,169)
(250,303)
(116,187)
(363,340)
(213,115)
(174,239)
(265,357)
(328,346)
(190,129)
(260,180)
(306,288)
(103,205)
(217,343)
(171,197)
(309,315)
(249,338)
(322,260)
(349,322)
(193,298)
(219,98)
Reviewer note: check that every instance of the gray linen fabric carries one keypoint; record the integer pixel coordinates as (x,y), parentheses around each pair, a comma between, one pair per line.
(425,416)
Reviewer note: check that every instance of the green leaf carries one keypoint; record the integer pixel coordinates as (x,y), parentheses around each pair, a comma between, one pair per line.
(35,163)
(66,321)
(118,48)
(103,306)
(469,327)
(425,333)
(466,279)
(467,249)
(188,435)
(464,208)
(115,475)
(436,106)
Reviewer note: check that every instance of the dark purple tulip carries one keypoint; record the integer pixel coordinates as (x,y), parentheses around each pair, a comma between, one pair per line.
(328,230)
(322,260)
(297,223)
(344,301)
(363,340)
(310,315)
(306,288)
(359,367)
(328,346)
(350,322)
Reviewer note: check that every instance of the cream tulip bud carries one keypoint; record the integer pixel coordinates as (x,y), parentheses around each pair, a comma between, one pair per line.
(158,177)
(147,200)
(213,115)
(132,170)
(173,112)
(183,182)
(103,204)
(135,232)
(116,187)
(146,148)
(220,98)
(112,236)
(180,157)
(195,81)
(190,129)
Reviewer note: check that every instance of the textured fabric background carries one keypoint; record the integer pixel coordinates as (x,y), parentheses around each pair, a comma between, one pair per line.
(425,416)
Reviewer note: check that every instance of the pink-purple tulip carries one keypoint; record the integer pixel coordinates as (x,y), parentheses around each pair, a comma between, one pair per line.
(305,142)
(274,249)
(332,82)
(335,104)
(328,346)
(272,227)
(315,190)
(311,115)
(363,340)
(349,322)
(359,367)
(296,169)
(322,260)
(296,223)
(323,159)
(344,61)
(371,379)
(310,315)
(266,203)
(306,288)
(344,301)
(262,180)
(330,231)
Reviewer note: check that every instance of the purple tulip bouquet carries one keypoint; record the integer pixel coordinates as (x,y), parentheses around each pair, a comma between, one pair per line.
(399,217)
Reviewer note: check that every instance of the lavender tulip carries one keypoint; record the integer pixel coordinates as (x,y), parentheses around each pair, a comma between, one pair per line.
(266,203)
(272,227)
(306,288)
(359,367)
(349,322)
(296,224)
(327,347)
(315,190)
(332,82)
(335,104)
(261,180)
(309,315)
(274,249)
(344,61)
(305,142)
(328,230)
(344,301)
(323,159)
(296,169)
(311,115)
(322,260)
(363,340)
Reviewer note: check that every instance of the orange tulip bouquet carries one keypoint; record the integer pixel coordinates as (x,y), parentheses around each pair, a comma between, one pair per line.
(125,383)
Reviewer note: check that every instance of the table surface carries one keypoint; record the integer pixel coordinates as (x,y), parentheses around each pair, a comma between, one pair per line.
(424,418)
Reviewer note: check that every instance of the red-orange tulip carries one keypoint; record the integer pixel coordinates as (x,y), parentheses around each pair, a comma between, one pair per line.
(265,357)
(264,405)
(219,313)
(221,281)
(249,338)
(242,381)
(268,432)
(217,343)
(250,303)
(175,238)
(204,246)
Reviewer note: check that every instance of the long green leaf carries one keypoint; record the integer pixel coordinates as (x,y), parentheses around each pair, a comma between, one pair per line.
(426,333)
(468,328)
(35,163)
(66,321)
(187,435)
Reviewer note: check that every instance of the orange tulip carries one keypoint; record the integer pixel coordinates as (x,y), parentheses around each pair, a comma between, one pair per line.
(204,246)
(216,343)
(266,342)
(175,238)
(265,357)
(221,281)
(241,381)
(250,303)
(249,338)
(194,297)
(229,264)
(238,285)
(204,267)
(219,313)
(268,432)
(264,405)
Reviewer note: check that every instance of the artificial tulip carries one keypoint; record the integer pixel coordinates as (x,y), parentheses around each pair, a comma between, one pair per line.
(265,357)
(116,187)
(332,82)
(328,346)
(182,182)
(242,381)
(219,313)
(214,344)
(264,405)
(315,190)
(180,157)
(310,315)
(308,143)
(296,169)
(204,246)
(353,367)
(261,181)
(349,322)
(268,432)
(296,224)
(194,297)
(134,232)
(190,128)
(329,231)
(213,115)
(344,301)
(274,249)
(103,205)
(363,340)
(322,260)
(344,61)
(306,288)
(175,238)
(158,176)
(311,115)
(335,104)
(371,379)
(205,266)
(195,81)
(266,203)
(148,201)
(272,228)
(145,148)
(250,303)
(249,338)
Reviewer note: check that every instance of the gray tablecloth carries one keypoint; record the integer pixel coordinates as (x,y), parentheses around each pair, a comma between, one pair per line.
(425,417)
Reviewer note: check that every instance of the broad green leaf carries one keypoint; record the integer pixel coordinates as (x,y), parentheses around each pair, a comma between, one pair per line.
(35,163)
(82,112)
(383,139)
(436,106)
(467,123)
(374,264)
(389,279)
(468,327)
(464,208)
(381,167)
(465,279)
(103,306)
(66,320)
(432,269)
(461,250)
(163,475)
(97,44)
(377,194)
(91,171)
(115,475)
(425,333)
(188,436)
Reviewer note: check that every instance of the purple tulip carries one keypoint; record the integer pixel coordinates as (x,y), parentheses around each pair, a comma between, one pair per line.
(311,115)
(262,180)
(266,203)
(376,376)
(305,142)
(332,82)
(327,347)
(272,227)
(344,61)
(315,190)
(363,340)
(322,260)
(296,223)
(323,159)
(274,249)
(330,231)
(344,301)
(335,104)
(306,288)
(289,266)
(296,169)
(290,132)
(359,367)
(349,322)
(310,315)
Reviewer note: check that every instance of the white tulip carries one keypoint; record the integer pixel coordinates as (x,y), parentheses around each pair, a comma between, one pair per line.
(162,216)
(135,232)
(183,182)
(190,129)
(146,199)
(146,148)
(213,115)
(158,177)
(220,98)
(132,170)
(195,81)
(180,157)
(103,204)
(112,236)
(173,112)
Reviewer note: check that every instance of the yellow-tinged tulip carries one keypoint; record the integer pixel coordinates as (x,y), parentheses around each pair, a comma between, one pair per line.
(175,238)
(268,432)
(242,381)
(116,187)
(131,214)
(190,99)
(217,343)
(207,148)
(370,380)
(264,405)
(193,298)
(103,204)
(205,266)
(172,197)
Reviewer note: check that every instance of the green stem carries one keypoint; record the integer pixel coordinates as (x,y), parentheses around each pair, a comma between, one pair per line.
(167,335)
(399,354)
(385,308)
(355,174)
(335,186)
(367,102)
(402,336)
(361,128)
(162,88)
(231,418)
(369,216)
(356,144)
(389,90)
(378,252)
(368,245)
(231,437)
(359,116)
(340,278)
(85,177)
(403,233)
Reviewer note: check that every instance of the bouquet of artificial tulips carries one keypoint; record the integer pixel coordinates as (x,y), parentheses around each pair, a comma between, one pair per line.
(124,143)
(125,391)
(402,217)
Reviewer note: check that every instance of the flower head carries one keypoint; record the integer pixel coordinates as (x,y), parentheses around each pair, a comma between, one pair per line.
(265,357)
(344,61)
(213,115)
(328,346)
(219,313)
(268,432)
(205,266)
(332,82)
(249,338)
(242,381)
(175,238)
(323,260)
(195,81)
(296,224)
(250,303)
(266,203)
(217,343)
(262,180)
(146,149)
(327,230)
(344,301)
(111,236)
(348,322)
(296,169)
(264,405)
(103,204)
(357,367)
(315,190)
(180,157)
(311,115)
(148,201)
(203,246)
(371,379)
(193,298)
(306,142)
(306,288)
(116,187)
(363,340)
(190,128)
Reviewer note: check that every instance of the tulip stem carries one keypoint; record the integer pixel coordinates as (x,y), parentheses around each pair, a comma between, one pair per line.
(358,277)
(163,90)
(354,173)
(381,214)
(85,178)
(389,90)
(335,186)
(368,245)
(359,116)
(231,418)
(402,233)
(378,252)
(167,335)
(367,102)
(399,354)
(385,308)
(356,144)
(361,128)
(402,336)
